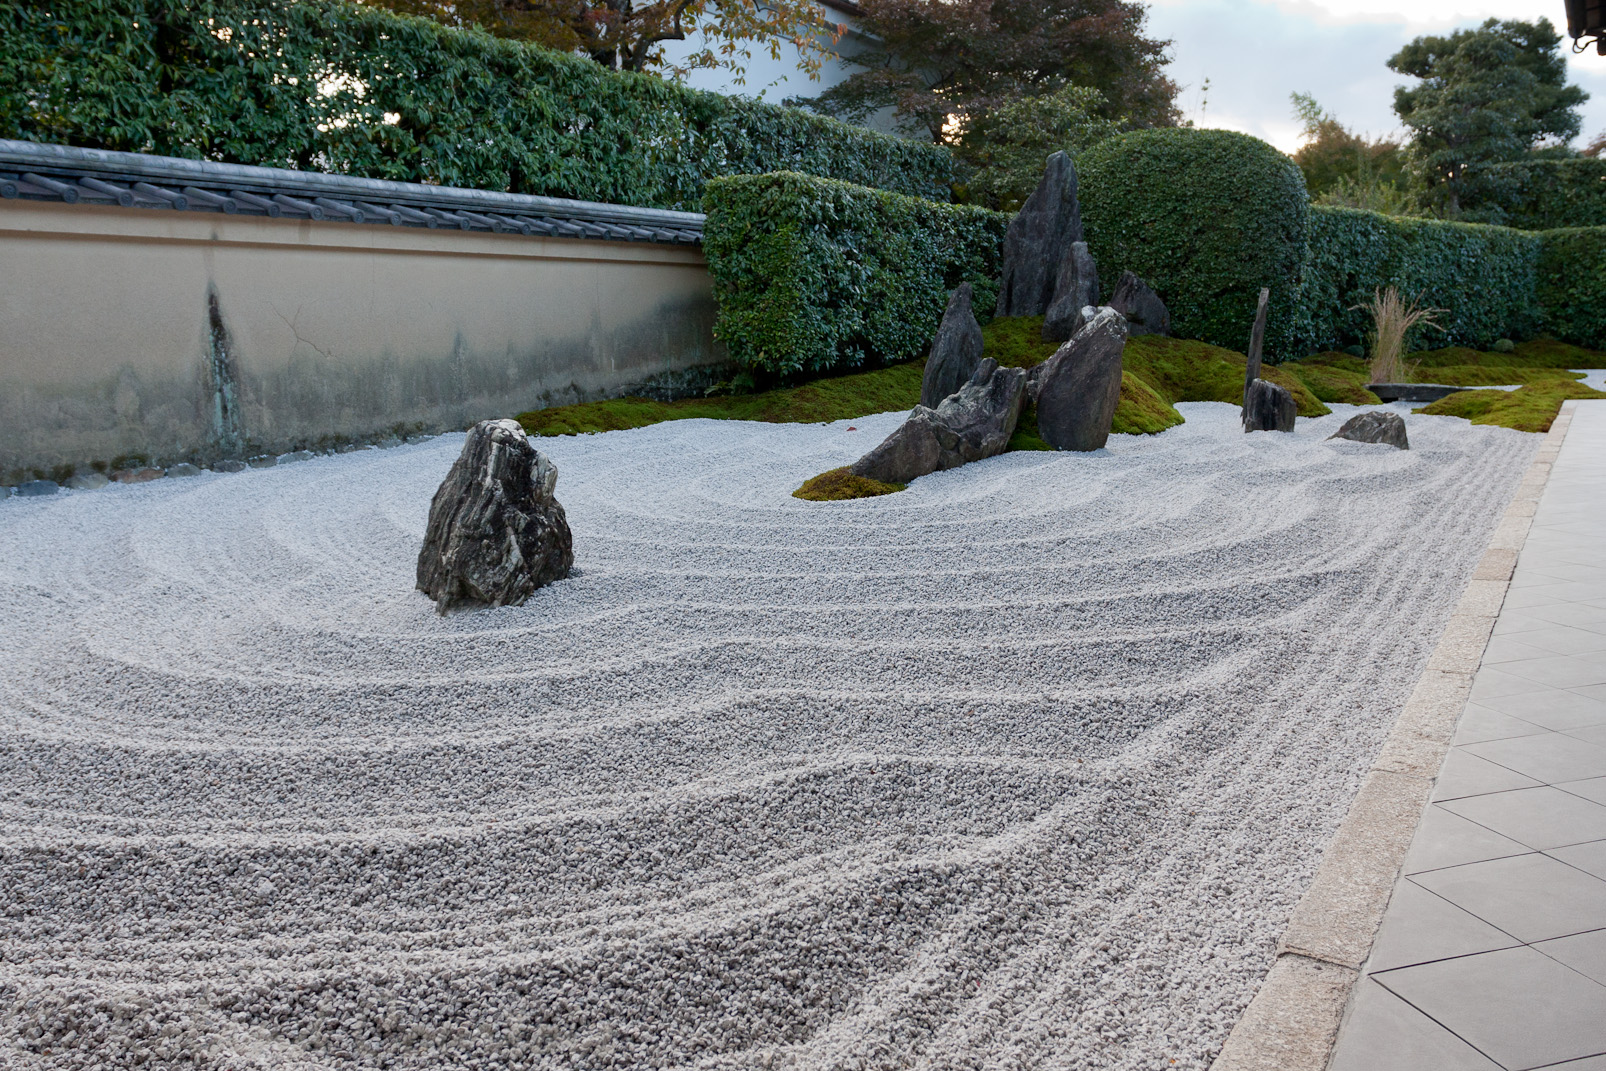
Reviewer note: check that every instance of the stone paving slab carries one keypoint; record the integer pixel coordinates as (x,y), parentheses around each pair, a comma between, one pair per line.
(1458,920)
(1492,952)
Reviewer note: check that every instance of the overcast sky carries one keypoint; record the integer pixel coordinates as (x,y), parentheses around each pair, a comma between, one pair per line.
(1256,52)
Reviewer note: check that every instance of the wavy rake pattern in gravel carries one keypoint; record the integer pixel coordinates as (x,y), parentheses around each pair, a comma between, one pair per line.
(1023,767)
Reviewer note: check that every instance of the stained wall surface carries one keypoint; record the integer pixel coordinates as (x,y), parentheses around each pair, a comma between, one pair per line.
(172,336)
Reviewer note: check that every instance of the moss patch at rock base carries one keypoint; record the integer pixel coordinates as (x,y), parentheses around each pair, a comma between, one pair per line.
(1141,410)
(840,484)
(1529,408)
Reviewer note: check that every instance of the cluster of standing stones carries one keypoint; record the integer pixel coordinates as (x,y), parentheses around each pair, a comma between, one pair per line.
(969,406)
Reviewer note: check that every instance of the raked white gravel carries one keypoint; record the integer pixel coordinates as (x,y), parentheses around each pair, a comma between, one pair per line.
(1022,768)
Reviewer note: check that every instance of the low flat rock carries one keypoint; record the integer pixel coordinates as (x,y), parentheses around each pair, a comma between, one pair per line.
(496,532)
(1375,427)
(1413,392)
(1145,313)
(973,423)
(1268,407)
(955,352)
(1079,387)
(1037,240)
(1076,286)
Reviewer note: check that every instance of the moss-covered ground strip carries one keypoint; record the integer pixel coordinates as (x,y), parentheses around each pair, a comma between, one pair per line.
(840,484)
(1157,373)
(1528,408)
(834,398)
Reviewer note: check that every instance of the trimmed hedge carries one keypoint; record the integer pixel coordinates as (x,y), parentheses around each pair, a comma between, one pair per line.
(1572,285)
(310,84)
(812,274)
(1538,195)
(1206,217)
(1484,276)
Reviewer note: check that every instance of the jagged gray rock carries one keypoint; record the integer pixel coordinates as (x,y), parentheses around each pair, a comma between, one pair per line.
(1037,240)
(1145,313)
(955,352)
(1080,386)
(495,532)
(973,423)
(1268,407)
(1375,427)
(1076,287)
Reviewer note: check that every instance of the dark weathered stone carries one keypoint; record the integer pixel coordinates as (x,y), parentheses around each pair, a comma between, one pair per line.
(495,533)
(1375,427)
(1413,392)
(89,481)
(974,422)
(183,468)
(1076,287)
(1257,340)
(262,461)
(1080,386)
(1037,240)
(1268,407)
(144,475)
(955,352)
(1145,313)
(37,488)
(296,456)
(228,464)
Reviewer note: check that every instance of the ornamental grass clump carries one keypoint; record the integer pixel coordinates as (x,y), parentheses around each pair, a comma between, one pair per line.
(1392,320)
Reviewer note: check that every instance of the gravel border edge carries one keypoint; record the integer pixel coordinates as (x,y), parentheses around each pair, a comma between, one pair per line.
(1293,1020)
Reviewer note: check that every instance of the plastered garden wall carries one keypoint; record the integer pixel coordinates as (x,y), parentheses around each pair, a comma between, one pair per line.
(170,336)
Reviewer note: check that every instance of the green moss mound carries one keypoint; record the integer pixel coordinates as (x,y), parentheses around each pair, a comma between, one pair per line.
(836,398)
(1016,341)
(1334,377)
(840,484)
(1182,370)
(1141,410)
(1529,408)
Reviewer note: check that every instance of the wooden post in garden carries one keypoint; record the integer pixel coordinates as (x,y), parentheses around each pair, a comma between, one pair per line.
(1257,339)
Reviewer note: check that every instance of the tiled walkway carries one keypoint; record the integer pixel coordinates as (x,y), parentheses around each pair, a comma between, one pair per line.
(1493,951)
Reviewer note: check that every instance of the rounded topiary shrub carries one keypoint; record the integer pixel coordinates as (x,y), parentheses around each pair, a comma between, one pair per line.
(1206,217)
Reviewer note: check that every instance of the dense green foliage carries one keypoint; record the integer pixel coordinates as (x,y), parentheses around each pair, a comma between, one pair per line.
(936,63)
(813,275)
(341,87)
(1543,194)
(1485,95)
(1483,277)
(1572,284)
(1528,408)
(1000,154)
(1342,167)
(1206,217)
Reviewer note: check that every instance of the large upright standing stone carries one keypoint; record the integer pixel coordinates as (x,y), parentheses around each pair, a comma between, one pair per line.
(955,352)
(973,423)
(1076,286)
(1080,386)
(1037,240)
(1145,313)
(495,532)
